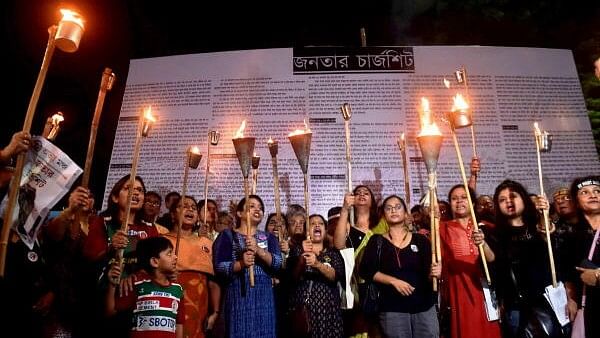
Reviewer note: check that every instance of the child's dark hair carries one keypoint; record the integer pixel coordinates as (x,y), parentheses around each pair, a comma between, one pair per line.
(149,248)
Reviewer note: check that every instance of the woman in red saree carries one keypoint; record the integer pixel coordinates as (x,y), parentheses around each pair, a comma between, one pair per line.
(461,289)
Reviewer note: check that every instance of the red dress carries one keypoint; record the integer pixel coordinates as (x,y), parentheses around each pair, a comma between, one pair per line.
(462,289)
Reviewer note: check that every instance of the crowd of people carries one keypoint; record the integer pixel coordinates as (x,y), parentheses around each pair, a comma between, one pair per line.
(205,270)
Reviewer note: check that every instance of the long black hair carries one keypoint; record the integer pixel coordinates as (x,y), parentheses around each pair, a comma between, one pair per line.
(373,214)
(457,186)
(112,208)
(240,208)
(406,211)
(574,190)
(530,215)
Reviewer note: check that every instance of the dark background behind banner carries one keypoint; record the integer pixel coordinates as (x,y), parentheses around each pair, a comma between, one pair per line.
(118,30)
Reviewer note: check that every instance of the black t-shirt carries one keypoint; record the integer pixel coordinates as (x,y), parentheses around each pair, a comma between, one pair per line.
(354,238)
(525,252)
(410,264)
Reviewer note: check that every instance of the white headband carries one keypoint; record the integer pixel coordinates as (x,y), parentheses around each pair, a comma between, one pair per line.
(588,182)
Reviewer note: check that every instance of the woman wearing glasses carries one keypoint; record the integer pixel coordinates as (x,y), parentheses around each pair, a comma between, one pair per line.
(399,261)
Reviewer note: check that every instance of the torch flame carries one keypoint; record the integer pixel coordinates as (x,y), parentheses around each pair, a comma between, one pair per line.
(536,128)
(240,132)
(446,83)
(402,137)
(270,141)
(72,16)
(57,118)
(430,130)
(300,131)
(425,114)
(428,126)
(459,103)
(148,114)
(195,150)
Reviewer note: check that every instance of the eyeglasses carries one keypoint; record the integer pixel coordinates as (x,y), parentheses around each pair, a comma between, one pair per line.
(154,204)
(389,208)
(562,198)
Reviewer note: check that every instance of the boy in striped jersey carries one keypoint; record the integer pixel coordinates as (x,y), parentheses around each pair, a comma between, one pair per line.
(157,302)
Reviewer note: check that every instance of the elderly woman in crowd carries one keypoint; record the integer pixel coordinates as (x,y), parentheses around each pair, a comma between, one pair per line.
(585,192)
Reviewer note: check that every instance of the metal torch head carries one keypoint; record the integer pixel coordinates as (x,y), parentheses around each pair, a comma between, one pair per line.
(244,148)
(430,150)
(301,145)
(146,126)
(111,78)
(69,32)
(346,111)
(194,157)
(255,161)
(544,141)
(460,119)
(213,137)
(273,147)
(460,75)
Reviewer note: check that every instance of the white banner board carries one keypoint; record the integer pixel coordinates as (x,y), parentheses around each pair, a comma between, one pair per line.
(274,90)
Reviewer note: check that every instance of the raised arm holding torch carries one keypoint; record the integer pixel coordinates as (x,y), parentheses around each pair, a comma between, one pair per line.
(66,36)
(543,143)
(462,78)
(192,160)
(244,148)
(145,124)
(459,119)
(347,115)
(106,83)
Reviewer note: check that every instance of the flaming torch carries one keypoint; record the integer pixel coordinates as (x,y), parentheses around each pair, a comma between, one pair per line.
(459,120)
(273,150)
(244,147)
(402,146)
(66,36)
(52,126)
(465,118)
(255,163)
(145,124)
(430,141)
(213,140)
(106,83)
(543,143)
(300,140)
(347,114)
(192,160)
